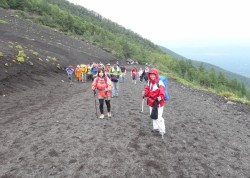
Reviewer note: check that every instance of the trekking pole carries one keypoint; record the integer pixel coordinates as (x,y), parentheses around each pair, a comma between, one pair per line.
(95,103)
(142,104)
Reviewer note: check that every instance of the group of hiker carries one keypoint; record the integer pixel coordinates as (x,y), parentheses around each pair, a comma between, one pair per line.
(105,85)
(83,72)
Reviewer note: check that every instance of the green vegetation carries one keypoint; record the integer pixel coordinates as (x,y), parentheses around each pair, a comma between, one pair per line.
(208,67)
(58,66)
(21,54)
(3,22)
(122,43)
(76,20)
(184,72)
(34,52)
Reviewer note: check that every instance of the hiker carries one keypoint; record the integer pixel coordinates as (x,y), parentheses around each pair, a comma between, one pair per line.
(144,75)
(133,74)
(103,84)
(108,70)
(101,65)
(155,99)
(117,63)
(84,70)
(123,71)
(94,70)
(115,74)
(70,71)
(89,75)
(78,73)
(140,74)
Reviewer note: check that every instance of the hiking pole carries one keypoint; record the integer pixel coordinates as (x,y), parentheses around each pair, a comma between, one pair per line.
(142,104)
(95,103)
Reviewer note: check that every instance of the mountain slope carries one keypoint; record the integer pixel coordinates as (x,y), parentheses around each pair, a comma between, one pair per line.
(207,66)
(48,128)
(44,50)
(53,131)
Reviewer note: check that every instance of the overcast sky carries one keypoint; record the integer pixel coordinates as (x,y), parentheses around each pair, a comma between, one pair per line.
(213,31)
(179,22)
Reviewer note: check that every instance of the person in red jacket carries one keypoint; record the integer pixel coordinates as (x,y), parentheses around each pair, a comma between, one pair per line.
(155,93)
(103,84)
(133,74)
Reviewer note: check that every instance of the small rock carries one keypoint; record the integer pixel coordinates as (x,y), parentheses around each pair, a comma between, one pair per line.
(230,102)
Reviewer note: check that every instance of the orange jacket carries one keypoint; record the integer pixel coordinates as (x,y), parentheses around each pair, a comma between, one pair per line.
(78,73)
(108,69)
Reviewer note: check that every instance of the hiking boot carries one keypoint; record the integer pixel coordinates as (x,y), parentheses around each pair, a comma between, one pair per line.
(162,134)
(109,114)
(101,116)
(155,131)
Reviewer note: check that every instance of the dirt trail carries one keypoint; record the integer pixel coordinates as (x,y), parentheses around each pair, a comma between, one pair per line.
(52,131)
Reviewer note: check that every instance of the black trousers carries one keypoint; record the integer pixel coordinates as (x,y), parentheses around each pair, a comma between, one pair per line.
(101,103)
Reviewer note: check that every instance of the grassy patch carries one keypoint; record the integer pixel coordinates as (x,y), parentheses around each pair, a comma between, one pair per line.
(3,22)
(35,53)
(19,47)
(233,97)
(58,66)
(21,56)
(226,94)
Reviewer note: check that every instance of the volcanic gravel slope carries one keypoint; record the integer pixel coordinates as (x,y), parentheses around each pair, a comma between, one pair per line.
(48,128)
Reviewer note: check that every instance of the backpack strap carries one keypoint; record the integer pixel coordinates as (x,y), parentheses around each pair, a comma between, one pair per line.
(105,79)
(158,85)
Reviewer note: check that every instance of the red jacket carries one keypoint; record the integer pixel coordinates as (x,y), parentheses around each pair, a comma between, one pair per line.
(133,72)
(152,91)
(100,84)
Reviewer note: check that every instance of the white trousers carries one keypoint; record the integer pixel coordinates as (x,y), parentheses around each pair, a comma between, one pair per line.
(159,123)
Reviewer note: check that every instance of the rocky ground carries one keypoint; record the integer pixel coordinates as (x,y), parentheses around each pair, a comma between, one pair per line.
(48,128)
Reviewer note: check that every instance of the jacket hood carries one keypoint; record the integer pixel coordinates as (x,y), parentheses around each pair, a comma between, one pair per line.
(153,71)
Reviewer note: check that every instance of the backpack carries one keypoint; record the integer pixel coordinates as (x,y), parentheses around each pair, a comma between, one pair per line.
(145,75)
(164,81)
(123,69)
